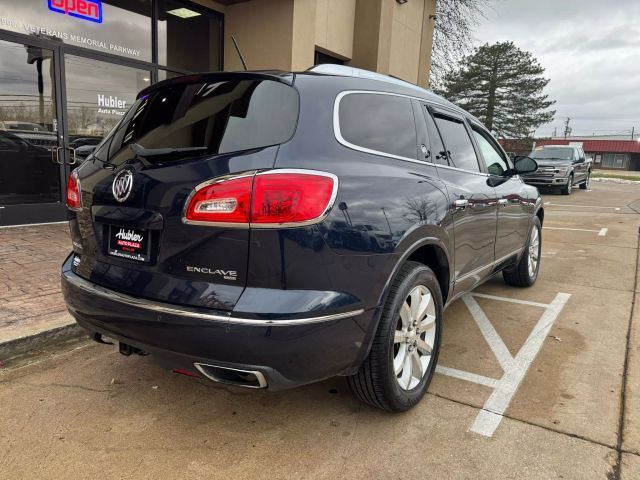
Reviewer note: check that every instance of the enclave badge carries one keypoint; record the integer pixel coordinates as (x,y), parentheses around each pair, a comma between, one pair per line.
(122,185)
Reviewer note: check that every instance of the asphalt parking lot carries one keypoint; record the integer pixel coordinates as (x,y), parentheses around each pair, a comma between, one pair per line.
(531,384)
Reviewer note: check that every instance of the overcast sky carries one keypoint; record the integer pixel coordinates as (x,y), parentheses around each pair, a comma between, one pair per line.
(591,52)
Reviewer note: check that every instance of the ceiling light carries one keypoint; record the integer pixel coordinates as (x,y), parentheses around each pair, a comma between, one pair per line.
(401,2)
(183,13)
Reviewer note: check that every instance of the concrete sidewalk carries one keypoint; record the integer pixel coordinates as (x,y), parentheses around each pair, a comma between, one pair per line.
(32,312)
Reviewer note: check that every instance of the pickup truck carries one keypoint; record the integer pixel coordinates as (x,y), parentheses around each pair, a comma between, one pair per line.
(561,166)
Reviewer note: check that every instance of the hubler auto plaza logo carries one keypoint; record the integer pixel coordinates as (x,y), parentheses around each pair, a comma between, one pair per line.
(85,9)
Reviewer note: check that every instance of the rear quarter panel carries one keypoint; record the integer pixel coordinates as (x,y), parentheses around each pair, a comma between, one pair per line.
(384,208)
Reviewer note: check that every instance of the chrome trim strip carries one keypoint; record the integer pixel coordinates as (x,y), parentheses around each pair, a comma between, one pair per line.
(296,321)
(193,313)
(262,381)
(490,265)
(338,134)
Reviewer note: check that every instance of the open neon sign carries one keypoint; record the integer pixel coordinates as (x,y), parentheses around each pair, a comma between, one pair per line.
(85,9)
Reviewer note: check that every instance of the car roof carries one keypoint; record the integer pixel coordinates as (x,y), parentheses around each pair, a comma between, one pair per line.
(367,79)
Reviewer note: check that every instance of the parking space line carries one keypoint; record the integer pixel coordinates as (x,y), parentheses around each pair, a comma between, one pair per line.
(579,206)
(489,333)
(601,233)
(512,300)
(515,368)
(468,376)
(499,400)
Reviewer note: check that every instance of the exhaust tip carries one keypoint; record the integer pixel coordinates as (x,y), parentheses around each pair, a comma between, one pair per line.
(233,376)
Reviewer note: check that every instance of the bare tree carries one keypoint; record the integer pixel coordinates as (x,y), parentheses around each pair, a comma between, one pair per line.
(452,40)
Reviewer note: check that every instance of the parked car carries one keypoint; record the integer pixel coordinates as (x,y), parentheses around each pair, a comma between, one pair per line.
(26,170)
(244,238)
(561,166)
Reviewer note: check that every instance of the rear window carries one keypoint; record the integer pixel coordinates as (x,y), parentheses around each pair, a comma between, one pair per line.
(211,118)
(382,123)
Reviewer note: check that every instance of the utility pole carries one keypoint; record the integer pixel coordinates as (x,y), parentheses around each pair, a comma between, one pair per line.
(567,128)
(555,132)
(633,132)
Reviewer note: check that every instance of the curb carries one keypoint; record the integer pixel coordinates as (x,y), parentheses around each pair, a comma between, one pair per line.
(29,344)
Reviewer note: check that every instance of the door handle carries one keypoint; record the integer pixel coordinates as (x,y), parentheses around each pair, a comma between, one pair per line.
(56,155)
(460,204)
(503,202)
(74,158)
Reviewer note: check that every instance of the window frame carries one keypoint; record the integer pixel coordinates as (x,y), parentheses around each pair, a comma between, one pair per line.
(338,133)
(458,118)
(475,125)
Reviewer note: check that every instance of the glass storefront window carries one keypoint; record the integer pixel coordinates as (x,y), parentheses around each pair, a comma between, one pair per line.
(189,37)
(167,74)
(99,94)
(28,139)
(118,27)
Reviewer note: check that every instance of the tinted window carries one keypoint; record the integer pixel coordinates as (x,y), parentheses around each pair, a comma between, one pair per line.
(383,123)
(495,161)
(219,117)
(438,153)
(458,144)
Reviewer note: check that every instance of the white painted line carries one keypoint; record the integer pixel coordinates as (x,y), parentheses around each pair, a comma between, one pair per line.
(468,376)
(489,333)
(34,224)
(599,232)
(486,423)
(512,300)
(579,206)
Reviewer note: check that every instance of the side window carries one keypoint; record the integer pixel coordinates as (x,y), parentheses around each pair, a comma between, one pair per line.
(494,159)
(458,143)
(383,123)
(438,153)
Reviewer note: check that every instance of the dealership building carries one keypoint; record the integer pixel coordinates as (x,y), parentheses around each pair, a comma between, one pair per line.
(70,69)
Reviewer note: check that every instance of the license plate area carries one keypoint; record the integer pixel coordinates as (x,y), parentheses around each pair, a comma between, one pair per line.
(129,243)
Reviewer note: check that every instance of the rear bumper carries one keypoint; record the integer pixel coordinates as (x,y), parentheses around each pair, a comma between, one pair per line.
(288,349)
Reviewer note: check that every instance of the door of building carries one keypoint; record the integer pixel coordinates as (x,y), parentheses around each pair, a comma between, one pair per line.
(32,157)
(56,105)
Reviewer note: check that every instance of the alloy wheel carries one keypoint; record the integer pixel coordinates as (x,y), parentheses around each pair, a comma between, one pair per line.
(534,251)
(414,338)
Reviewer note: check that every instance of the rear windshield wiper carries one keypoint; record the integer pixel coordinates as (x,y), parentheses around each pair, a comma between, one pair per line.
(104,162)
(139,150)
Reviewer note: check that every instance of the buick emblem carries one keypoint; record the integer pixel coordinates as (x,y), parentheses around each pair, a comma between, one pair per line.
(122,185)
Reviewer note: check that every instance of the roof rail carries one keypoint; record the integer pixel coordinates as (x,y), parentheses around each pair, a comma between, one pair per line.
(345,71)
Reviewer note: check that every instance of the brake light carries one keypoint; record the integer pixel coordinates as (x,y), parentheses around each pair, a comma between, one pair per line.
(74,197)
(290,197)
(273,198)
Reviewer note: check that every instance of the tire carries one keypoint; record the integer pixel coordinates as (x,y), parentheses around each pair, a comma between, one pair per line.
(584,185)
(567,190)
(377,382)
(522,275)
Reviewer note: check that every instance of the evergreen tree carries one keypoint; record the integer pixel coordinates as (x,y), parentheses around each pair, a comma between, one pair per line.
(502,86)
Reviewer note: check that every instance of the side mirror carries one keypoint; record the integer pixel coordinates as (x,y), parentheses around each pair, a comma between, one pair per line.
(524,165)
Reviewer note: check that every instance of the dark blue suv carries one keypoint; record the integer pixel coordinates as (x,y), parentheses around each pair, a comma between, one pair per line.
(271,229)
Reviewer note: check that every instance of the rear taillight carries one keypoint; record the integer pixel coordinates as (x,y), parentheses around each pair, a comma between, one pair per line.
(267,199)
(227,201)
(74,197)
